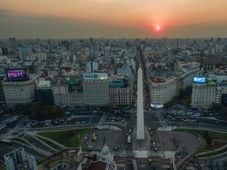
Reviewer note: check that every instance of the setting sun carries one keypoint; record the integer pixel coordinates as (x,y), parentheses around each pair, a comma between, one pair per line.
(157,28)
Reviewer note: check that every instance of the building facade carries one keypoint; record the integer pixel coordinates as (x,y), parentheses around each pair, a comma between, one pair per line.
(96,89)
(120,93)
(162,91)
(18,159)
(2,95)
(67,92)
(19,92)
(44,92)
(186,79)
(203,93)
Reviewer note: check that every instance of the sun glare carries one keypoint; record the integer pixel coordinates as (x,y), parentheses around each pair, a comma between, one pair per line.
(157,28)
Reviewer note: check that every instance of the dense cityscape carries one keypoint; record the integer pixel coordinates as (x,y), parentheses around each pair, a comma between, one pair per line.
(112,104)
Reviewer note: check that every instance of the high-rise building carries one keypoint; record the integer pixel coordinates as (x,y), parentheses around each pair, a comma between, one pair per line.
(2,95)
(44,92)
(4,51)
(167,85)
(67,92)
(18,88)
(203,92)
(91,66)
(19,160)
(96,89)
(162,91)
(120,93)
(210,89)
(24,53)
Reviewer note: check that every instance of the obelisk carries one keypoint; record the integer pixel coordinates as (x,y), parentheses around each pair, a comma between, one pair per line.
(140,111)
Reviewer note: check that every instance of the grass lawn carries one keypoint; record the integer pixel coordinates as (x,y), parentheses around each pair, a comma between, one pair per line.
(51,144)
(202,148)
(213,153)
(21,141)
(71,138)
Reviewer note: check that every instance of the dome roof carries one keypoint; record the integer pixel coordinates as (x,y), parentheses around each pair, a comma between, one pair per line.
(105,150)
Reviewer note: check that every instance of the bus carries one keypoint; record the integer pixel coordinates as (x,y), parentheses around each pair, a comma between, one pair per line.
(129,139)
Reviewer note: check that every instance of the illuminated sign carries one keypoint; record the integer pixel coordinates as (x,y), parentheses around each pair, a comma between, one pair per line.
(16,74)
(101,76)
(158,106)
(199,79)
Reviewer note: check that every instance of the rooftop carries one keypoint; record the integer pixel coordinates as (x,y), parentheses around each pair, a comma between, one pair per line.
(44,84)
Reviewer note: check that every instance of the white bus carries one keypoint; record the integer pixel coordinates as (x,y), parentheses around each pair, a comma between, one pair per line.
(129,139)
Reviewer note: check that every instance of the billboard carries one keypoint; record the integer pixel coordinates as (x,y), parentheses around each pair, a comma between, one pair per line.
(16,74)
(199,79)
(100,76)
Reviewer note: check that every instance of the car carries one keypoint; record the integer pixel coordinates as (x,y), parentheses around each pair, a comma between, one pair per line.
(210,114)
(149,160)
(130,130)
(28,125)
(118,119)
(156,149)
(129,139)
(116,148)
(189,113)
(197,114)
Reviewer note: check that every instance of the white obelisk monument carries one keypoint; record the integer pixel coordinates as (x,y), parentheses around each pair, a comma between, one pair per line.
(140,112)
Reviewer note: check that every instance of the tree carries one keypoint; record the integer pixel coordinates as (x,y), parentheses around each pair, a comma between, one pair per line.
(23,108)
(42,111)
(38,110)
(55,111)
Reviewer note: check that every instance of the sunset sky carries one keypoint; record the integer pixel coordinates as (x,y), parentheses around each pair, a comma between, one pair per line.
(112,18)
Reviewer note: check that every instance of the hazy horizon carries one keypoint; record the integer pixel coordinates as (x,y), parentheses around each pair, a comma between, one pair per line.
(113,19)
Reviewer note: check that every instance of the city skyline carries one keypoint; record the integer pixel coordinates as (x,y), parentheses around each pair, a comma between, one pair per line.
(112,19)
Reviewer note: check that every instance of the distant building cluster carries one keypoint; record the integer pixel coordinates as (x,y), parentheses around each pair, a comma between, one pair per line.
(92,89)
(210,89)
(101,72)
(168,75)
(68,73)
(171,66)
